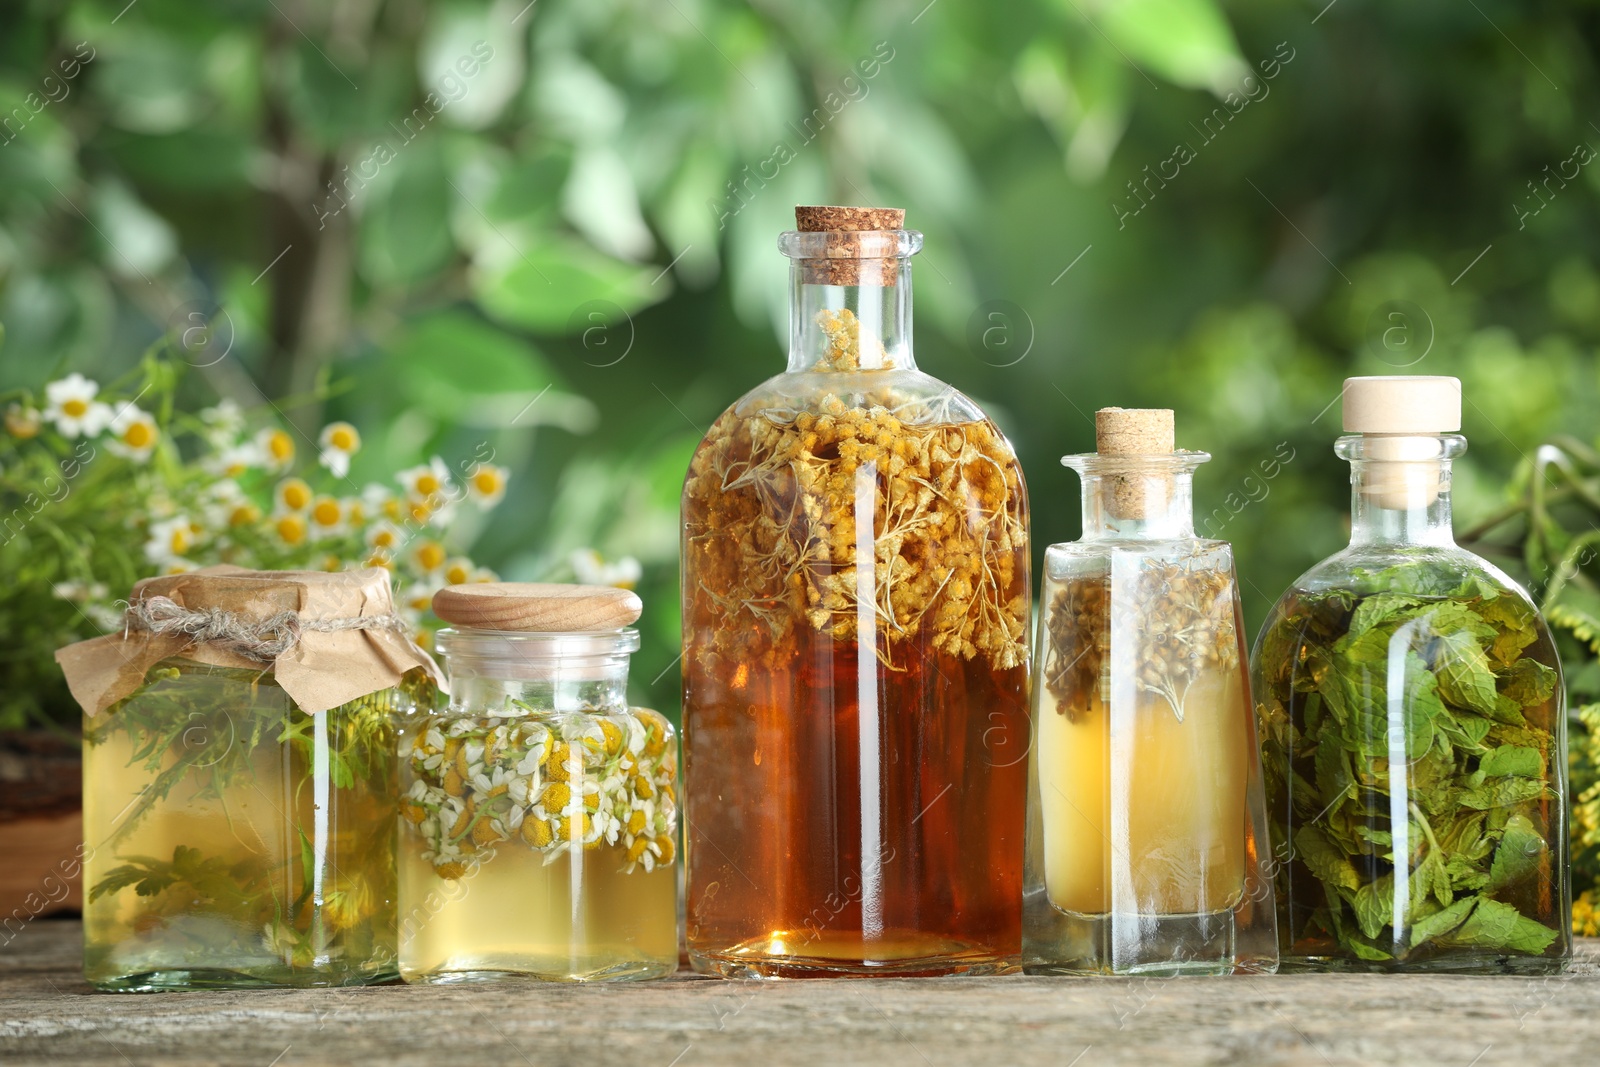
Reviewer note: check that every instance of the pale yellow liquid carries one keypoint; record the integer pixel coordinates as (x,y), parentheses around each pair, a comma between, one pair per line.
(261,827)
(579,918)
(1144,814)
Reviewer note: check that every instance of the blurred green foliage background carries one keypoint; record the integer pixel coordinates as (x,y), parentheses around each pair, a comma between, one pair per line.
(549,227)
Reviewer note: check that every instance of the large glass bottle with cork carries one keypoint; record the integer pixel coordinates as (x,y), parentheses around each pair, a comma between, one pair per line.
(1146,826)
(855,603)
(1413,729)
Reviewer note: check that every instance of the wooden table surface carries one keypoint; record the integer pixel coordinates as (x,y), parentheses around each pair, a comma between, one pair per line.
(49,1015)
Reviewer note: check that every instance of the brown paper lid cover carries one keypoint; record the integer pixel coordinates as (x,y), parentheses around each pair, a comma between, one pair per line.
(349,642)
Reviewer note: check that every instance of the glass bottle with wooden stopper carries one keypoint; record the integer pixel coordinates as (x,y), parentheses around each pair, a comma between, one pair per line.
(855,602)
(539,813)
(1145,826)
(1413,726)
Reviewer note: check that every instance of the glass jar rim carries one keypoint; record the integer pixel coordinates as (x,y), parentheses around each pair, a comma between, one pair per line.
(1181,461)
(850,244)
(525,645)
(1399,447)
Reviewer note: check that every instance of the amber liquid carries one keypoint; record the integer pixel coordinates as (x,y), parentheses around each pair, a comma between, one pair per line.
(842,821)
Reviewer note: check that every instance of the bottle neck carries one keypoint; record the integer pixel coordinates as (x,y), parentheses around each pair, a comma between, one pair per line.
(1400,488)
(1154,504)
(863,326)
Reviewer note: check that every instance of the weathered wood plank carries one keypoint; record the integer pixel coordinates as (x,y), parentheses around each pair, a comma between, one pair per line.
(49,1015)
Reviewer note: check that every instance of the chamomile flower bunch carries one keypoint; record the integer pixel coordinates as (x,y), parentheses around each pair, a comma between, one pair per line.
(106,482)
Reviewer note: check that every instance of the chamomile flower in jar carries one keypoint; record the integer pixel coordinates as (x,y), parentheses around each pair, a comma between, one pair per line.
(539,814)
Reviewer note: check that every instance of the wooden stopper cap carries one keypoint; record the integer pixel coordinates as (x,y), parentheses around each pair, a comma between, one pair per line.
(1136,432)
(1402,403)
(537,606)
(843,265)
(1404,473)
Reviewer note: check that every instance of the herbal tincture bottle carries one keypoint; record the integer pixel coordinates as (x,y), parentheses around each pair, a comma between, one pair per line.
(855,600)
(1413,727)
(539,821)
(240,798)
(1145,821)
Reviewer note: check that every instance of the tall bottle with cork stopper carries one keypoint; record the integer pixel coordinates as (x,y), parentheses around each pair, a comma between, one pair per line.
(1413,728)
(539,814)
(1146,828)
(855,660)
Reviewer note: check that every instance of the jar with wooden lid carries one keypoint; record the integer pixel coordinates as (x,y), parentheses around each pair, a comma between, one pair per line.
(240,796)
(1146,828)
(1413,726)
(539,817)
(855,656)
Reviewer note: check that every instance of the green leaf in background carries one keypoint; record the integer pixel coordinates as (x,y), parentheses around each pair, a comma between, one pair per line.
(460,368)
(1188,42)
(405,232)
(541,285)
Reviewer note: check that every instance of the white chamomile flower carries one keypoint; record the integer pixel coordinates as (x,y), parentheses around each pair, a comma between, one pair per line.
(384,536)
(486,484)
(428,482)
(381,501)
(78,592)
(73,408)
(524,786)
(590,568)
(135,432)
(457,571)
(276,448)
(223,422)
(292,496)
(234,461)
(326,516)
(169,539)
(338,441)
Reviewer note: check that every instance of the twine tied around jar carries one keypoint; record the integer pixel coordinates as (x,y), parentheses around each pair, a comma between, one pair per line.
(263,641)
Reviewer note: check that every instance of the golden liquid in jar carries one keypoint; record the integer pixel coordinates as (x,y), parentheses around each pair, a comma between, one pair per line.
(1143,813)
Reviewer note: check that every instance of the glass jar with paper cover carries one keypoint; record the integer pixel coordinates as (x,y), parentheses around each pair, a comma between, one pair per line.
(240,792)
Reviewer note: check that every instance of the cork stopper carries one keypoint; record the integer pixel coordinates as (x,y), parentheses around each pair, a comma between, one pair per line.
(1400,403)
(1136,432)
(536,607)
(844,263)
(1403,472)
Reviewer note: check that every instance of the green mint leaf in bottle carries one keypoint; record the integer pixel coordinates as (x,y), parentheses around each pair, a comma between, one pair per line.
(1412,726)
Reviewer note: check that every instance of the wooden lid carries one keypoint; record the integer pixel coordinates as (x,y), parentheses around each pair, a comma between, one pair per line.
(537,606)
(1402,403)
